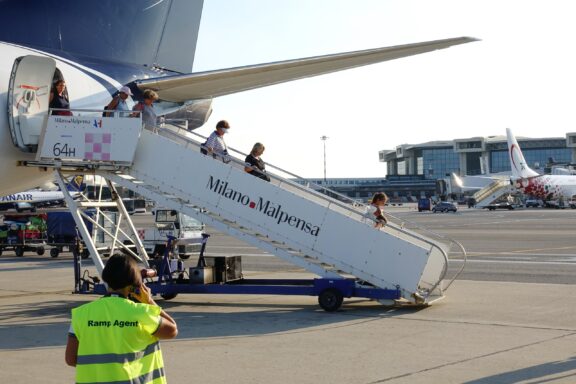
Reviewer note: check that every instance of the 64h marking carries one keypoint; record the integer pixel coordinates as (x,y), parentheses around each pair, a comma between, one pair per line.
(60,149)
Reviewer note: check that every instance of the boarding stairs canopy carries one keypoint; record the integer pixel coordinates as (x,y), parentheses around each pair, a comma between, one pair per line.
(328,236)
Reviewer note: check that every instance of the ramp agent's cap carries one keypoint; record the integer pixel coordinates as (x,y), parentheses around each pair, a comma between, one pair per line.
(126,90)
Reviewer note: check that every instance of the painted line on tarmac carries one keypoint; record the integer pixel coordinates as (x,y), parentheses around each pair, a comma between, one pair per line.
(516,262)
(520,254)
(239,254)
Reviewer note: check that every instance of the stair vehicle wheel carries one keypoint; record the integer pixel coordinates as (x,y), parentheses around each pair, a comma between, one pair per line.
(330,299)
(168,296)
(40,251)
(54,252)
(19,251)
(85,254)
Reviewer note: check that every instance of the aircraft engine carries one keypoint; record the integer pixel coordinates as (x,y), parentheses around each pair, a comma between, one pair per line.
(196,113)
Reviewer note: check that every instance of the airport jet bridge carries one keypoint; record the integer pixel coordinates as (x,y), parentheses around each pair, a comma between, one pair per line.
(325,235)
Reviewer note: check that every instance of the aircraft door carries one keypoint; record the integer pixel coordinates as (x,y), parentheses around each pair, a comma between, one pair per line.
(28,99)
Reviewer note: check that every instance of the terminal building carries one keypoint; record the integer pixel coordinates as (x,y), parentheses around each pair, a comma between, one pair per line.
(419,170)
(437,160)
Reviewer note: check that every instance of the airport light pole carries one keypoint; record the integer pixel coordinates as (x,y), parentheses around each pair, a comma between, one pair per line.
(324,138)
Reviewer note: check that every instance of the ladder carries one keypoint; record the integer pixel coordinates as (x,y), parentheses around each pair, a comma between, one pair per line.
(324,235)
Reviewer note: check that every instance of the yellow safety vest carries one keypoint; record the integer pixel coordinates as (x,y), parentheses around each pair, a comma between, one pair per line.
(116,344)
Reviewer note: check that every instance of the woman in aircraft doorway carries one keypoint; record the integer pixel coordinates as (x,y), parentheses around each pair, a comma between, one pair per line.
(59,99)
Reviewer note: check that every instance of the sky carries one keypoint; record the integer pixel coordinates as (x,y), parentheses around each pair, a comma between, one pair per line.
(521,75)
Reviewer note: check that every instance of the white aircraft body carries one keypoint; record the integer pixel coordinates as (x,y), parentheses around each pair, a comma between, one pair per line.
(32,199)
(96,49)
(481,182)
(529,182)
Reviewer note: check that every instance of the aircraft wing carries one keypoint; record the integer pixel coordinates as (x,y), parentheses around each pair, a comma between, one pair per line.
(204,85)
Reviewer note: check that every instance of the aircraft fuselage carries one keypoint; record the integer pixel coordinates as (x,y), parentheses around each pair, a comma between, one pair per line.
(548,187)
(87,88)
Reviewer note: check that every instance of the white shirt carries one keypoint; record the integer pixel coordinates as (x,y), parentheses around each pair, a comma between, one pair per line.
(216,143)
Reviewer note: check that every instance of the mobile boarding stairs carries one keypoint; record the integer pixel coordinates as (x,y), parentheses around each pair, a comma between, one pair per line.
(492,192)
(327,236)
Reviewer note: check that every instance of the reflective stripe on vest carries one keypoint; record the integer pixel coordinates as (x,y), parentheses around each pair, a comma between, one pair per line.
(147,378)
(120,358)
(116,344)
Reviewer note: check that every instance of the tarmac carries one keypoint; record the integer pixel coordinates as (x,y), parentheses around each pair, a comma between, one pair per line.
(482,332)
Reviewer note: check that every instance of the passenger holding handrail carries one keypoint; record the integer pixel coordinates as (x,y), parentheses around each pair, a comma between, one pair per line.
(146,107)
(254,164)
(215,145)
(375,210)
(59,99)
(118,102)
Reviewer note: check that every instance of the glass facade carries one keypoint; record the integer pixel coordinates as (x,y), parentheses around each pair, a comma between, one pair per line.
(499,161)
(401,167)
(438,162)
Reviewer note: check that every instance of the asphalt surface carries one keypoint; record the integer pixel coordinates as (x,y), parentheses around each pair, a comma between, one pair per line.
(509,318)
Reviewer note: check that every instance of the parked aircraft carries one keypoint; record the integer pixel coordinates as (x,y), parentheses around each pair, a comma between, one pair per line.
(30,200)
(529,182)
(99,46)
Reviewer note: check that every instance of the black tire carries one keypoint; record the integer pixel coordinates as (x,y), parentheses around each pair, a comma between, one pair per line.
(184,256)
(168,296)
(330,299)
(19,251)
(54,252)
(40,251)
(85,253)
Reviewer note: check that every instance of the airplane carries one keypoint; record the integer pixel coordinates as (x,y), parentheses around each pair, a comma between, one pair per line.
(32,199)
(99,46)
(530,182)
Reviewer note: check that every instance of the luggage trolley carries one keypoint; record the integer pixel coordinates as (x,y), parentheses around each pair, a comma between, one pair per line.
(22,233)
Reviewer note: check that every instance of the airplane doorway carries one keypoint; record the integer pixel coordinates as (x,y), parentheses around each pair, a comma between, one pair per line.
(28,99)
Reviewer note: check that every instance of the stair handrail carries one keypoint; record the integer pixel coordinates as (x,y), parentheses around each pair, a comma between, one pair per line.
(490,188)
(306,187)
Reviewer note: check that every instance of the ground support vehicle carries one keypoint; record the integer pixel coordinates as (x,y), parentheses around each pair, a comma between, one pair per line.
(424,204)
(557,204)
(63,234)
(444,206)
(223,275)
(321,234)
(493,207)
(22,233)
(186,230)
(534,203)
